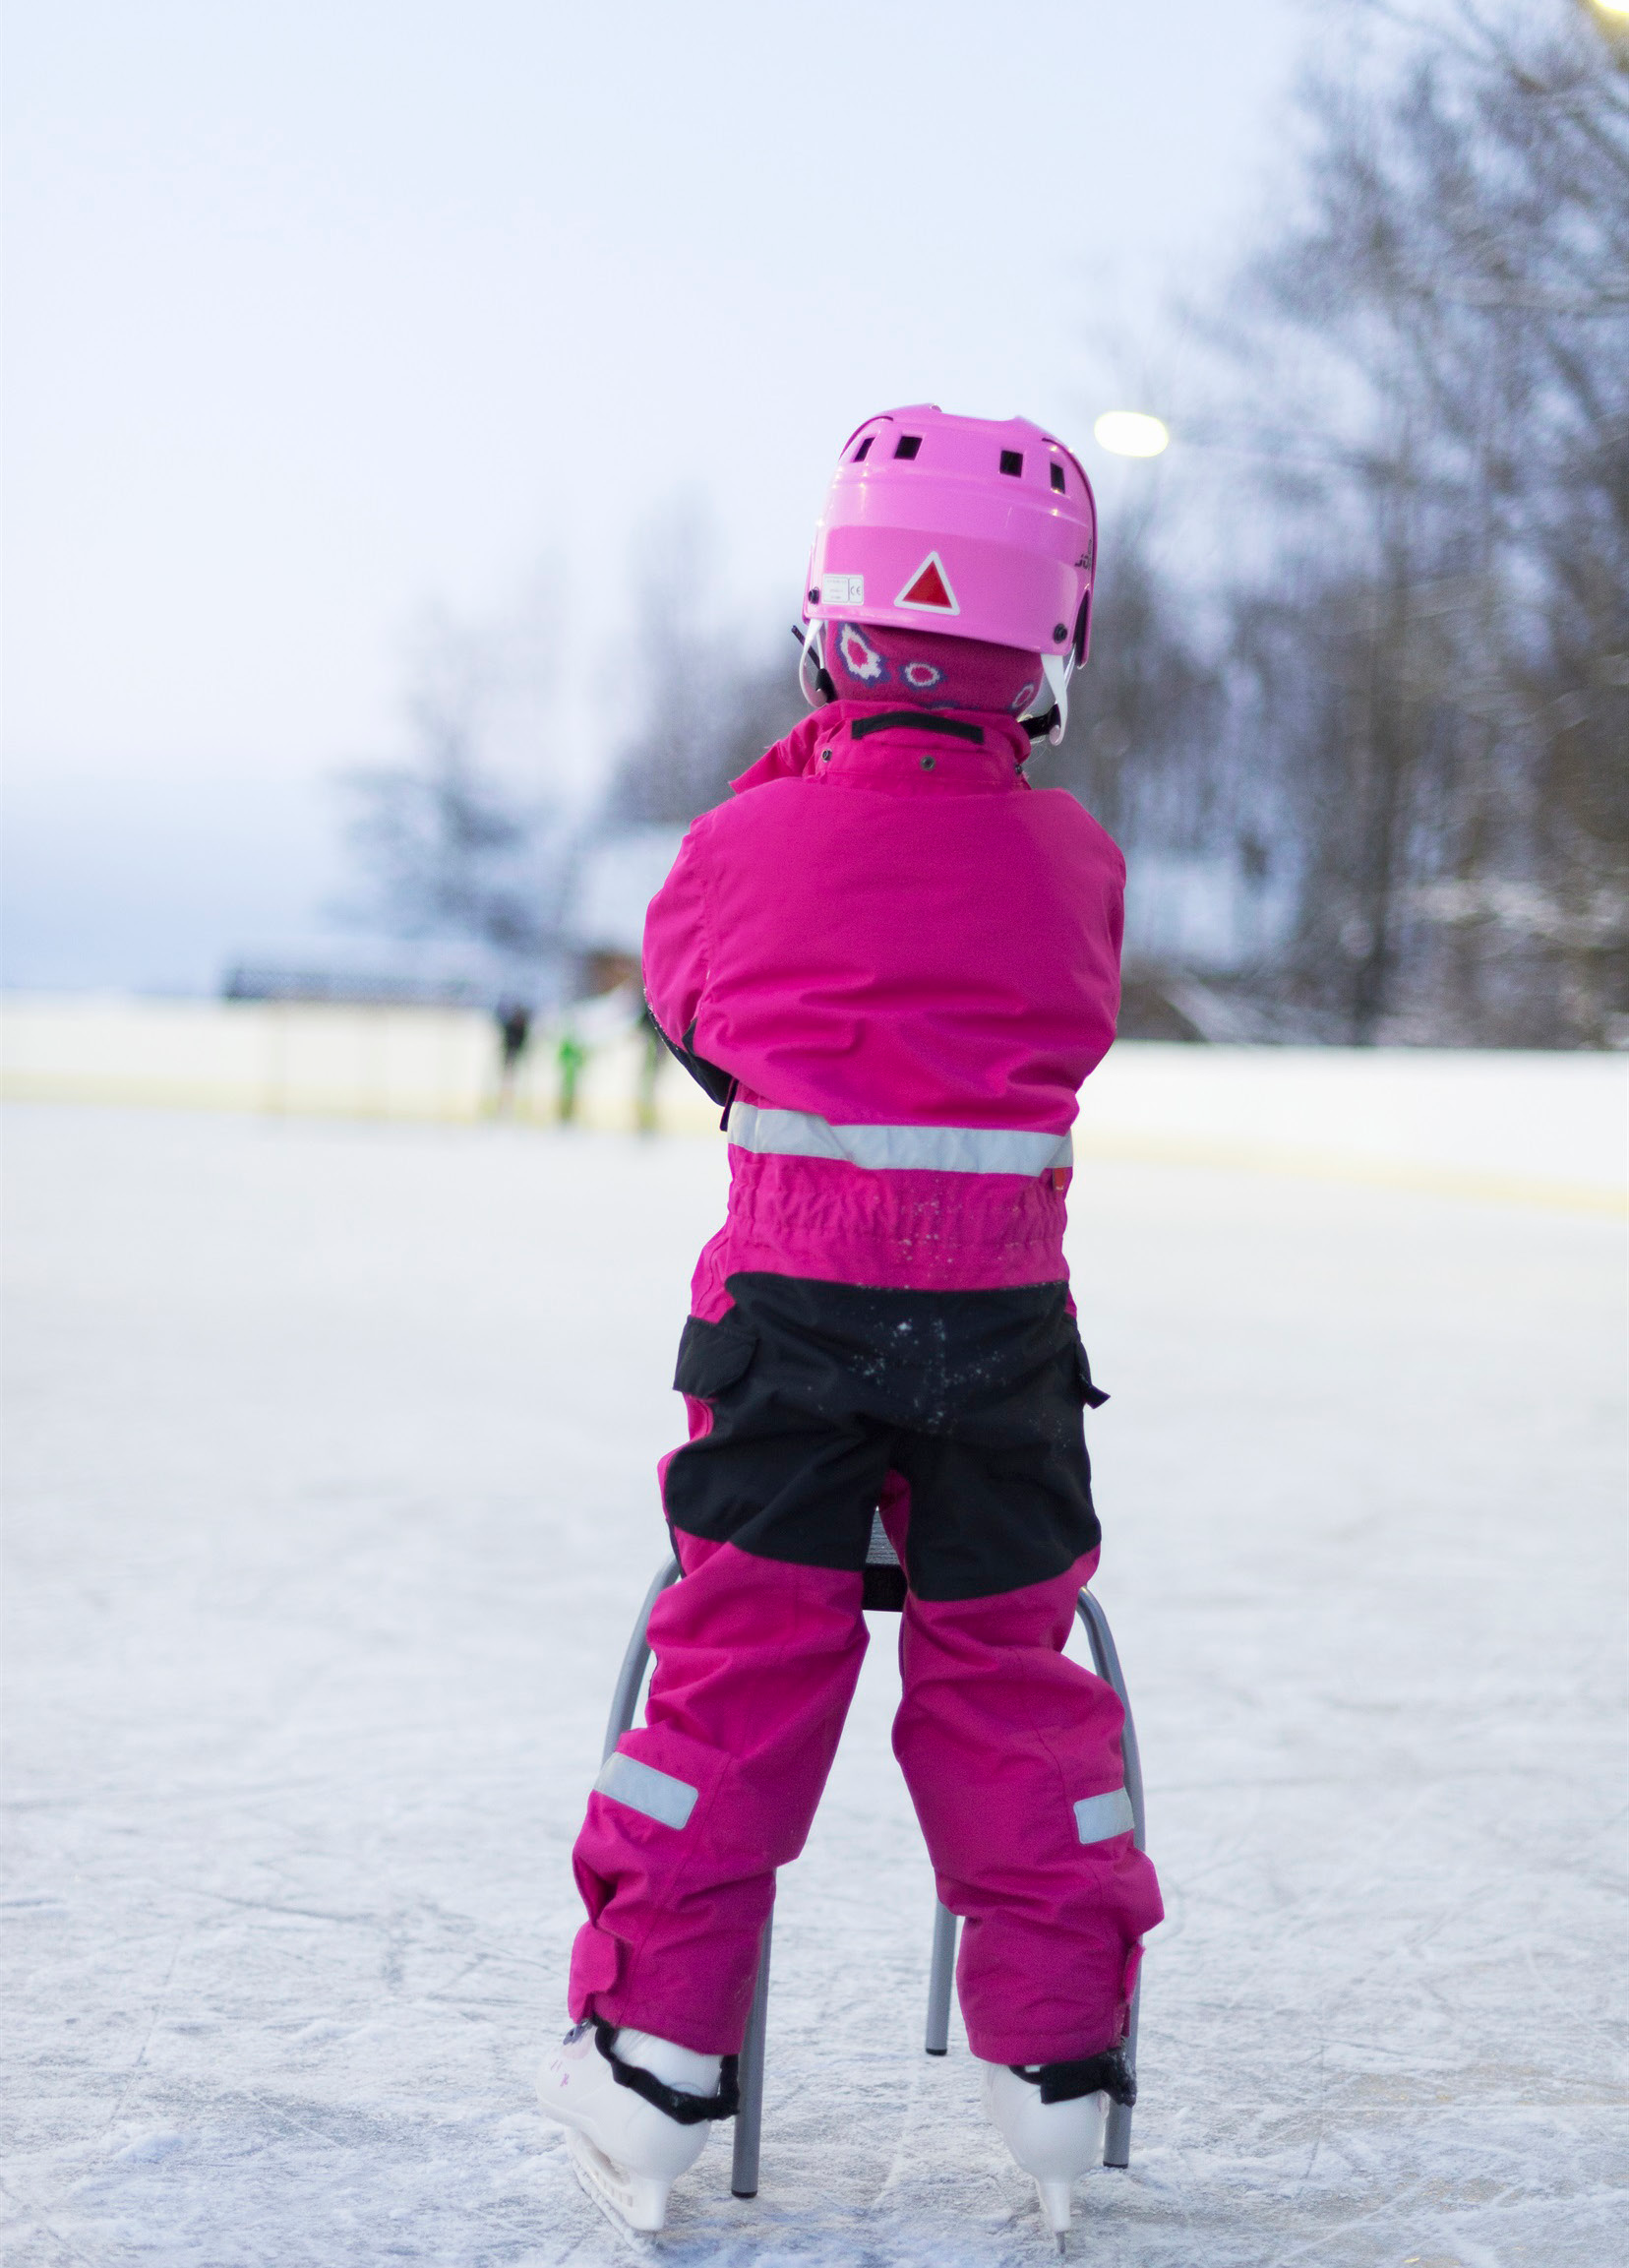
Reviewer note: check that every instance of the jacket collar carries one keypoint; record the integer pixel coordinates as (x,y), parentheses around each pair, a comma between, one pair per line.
(890,739)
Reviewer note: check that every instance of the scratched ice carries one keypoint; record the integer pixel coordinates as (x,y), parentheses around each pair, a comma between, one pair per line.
(331,1497)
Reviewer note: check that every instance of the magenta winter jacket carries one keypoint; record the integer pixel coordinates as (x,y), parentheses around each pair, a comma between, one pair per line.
(907,961)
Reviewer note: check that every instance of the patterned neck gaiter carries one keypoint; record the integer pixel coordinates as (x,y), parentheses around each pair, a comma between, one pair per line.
(929,670)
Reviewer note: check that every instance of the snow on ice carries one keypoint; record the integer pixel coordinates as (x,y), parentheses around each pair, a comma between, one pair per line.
(330,1469)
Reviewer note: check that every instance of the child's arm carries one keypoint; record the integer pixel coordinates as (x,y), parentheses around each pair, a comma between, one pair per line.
(676,963)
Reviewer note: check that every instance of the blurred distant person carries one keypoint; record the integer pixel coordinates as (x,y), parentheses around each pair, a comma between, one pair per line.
(514,1020)
(895,966)
(569,1058)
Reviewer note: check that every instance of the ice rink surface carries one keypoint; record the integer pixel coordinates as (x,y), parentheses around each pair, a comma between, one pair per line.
(330,1460)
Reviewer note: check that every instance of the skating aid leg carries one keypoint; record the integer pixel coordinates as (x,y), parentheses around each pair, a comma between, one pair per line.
(1117,2143)
(748,2125)
(940,1977)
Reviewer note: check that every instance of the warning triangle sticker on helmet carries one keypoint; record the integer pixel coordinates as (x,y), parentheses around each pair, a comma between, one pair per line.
(928,589)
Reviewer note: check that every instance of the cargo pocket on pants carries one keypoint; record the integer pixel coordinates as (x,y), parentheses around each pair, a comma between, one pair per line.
(713,1356)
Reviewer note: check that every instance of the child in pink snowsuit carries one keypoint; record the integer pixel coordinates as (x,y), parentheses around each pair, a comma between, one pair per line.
(895,965)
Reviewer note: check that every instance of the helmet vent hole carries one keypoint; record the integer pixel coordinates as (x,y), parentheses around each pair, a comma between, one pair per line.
(907,445)
(1058,478)
(1012,462)
(864,450)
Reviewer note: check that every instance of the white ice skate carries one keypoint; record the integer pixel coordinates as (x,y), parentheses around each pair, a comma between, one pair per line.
(626,2149)
(1053,2142)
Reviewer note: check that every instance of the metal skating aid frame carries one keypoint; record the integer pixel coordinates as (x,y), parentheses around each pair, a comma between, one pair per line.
(749,2124)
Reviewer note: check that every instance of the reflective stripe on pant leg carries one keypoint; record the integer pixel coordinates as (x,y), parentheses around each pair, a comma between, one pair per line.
(1099,1818)
(658,1794)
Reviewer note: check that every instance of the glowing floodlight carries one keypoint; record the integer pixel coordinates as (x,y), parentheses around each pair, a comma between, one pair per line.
(1128,433)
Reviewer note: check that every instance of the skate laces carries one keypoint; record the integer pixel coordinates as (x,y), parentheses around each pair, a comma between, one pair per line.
(1106,2074)
(684,2110)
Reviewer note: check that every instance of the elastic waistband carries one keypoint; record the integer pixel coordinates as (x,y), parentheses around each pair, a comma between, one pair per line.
(943,1150)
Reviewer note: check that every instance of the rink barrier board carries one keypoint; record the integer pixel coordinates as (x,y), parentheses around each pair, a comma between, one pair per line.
(612,1118)
(1422,1180)
(1395,1116)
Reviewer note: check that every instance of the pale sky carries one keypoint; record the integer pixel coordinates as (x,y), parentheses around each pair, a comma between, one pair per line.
(318,314)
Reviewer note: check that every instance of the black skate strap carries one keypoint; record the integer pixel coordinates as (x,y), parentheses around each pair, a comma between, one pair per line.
(1106,2074)
(684,2110)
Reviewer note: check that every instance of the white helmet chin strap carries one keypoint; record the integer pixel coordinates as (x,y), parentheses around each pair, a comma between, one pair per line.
(1057,669)
(810,661)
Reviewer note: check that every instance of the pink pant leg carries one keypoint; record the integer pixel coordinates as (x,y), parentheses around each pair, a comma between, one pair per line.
(755,1666)
(999,1738)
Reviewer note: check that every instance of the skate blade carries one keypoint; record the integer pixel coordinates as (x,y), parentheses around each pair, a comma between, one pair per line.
(1057,2204)
(635,2200)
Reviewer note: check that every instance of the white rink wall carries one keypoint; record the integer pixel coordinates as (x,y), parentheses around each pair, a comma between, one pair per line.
(309,1060)
(297,1058)
(1549,1127)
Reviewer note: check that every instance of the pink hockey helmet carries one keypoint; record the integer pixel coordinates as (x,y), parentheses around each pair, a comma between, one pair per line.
(975,526)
